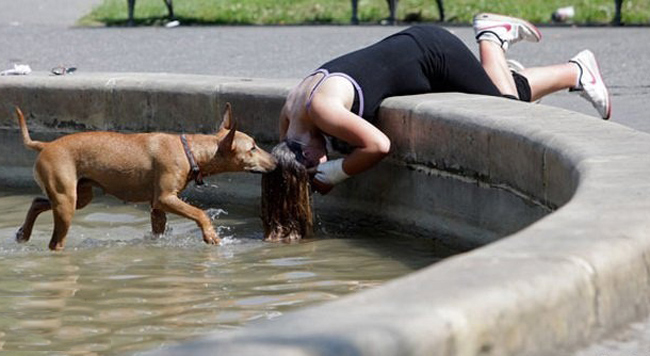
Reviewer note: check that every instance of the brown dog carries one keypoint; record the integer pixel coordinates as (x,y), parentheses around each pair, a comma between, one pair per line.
(143,167)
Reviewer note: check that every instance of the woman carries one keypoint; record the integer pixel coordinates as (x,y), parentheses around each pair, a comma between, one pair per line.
(339,101)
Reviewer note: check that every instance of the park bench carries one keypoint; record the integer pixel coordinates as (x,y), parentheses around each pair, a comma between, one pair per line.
(392,7)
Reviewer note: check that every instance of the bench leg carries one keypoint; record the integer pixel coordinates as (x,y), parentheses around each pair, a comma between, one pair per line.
(441,10)
(131,6)
(617,15)
(355,8)
(392,8)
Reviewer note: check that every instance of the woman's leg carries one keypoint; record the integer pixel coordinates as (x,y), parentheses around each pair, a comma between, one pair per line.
(550,79)
(495,34)
(493,60)
(581,75)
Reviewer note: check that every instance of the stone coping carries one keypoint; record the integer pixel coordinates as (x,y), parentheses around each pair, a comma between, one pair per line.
(554,284)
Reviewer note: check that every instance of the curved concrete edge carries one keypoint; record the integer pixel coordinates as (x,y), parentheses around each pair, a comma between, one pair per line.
(563,280)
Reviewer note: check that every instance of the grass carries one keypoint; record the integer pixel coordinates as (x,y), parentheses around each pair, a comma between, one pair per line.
(289,12)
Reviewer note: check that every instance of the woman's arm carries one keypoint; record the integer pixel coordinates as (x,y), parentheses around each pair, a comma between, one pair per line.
(329,112)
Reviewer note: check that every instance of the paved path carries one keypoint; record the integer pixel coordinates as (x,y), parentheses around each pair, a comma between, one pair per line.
(41,33)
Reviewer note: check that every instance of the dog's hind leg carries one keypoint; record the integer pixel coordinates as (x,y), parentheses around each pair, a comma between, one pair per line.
(158,221)
(63,207)
(61,189)
(39,205)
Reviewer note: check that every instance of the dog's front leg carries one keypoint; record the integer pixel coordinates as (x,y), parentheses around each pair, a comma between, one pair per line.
(173,204)
(158,221)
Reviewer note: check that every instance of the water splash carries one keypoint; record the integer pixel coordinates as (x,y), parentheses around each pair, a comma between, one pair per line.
(214,213)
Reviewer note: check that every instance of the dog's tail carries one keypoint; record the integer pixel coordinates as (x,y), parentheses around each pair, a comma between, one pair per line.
(35,145)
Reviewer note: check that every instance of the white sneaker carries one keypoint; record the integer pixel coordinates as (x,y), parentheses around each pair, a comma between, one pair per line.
(591,85)
(504,30)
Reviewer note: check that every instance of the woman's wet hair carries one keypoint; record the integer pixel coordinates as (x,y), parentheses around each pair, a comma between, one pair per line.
(286,202)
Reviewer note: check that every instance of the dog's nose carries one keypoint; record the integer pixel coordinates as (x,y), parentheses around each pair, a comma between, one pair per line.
(265,167)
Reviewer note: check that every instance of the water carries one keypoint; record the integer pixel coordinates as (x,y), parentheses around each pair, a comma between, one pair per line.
(116,289)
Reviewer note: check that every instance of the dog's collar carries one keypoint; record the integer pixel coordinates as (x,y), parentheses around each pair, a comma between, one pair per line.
(195,171)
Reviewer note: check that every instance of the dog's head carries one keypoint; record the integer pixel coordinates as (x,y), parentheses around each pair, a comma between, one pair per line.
(286,202)
(237,151)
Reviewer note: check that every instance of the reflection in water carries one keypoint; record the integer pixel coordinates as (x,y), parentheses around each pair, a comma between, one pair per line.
(116,289)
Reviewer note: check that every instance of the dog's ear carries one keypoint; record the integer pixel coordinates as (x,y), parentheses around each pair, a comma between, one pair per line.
(226,144)
(228,122)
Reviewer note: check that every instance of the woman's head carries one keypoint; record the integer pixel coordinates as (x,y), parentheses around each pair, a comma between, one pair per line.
(286,202)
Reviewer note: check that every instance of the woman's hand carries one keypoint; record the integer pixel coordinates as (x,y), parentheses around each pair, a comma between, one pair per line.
(322,188)
(327,174)
(317,185)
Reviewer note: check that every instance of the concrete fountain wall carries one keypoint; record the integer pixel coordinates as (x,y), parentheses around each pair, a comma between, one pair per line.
(561,212)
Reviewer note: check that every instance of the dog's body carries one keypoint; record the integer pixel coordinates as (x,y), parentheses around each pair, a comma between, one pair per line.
(145,167)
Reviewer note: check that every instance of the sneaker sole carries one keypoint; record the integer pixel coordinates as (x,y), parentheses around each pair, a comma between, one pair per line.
(526,24)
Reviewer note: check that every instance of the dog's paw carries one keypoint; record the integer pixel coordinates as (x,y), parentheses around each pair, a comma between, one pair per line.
(20,236)
(211,239)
